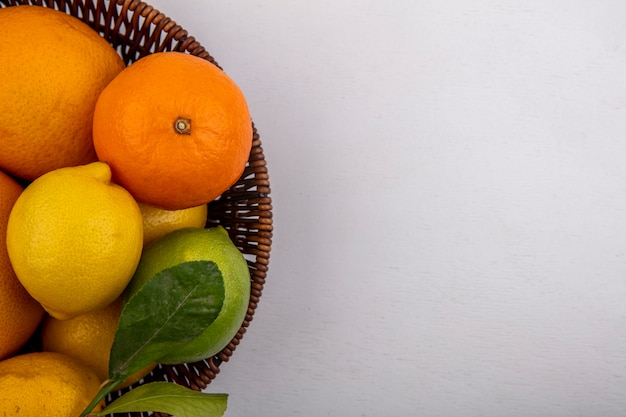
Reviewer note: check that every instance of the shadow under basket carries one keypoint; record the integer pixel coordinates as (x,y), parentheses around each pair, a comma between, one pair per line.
(136,29)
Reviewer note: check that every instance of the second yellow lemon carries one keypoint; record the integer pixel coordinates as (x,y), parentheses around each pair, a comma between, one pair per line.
(74,239)
(88,337)
(158,222)
(45,384)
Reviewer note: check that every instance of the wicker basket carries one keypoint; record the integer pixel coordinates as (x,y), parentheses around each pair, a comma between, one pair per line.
(137,29)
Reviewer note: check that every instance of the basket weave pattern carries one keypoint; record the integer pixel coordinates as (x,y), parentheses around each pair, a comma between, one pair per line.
(137,29)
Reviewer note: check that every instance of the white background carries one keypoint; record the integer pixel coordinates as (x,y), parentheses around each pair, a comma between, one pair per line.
(449,188)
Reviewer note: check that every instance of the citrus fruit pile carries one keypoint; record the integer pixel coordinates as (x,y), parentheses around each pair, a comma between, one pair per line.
(106,171)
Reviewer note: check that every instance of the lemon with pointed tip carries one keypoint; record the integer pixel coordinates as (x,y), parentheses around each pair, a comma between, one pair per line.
(74,239)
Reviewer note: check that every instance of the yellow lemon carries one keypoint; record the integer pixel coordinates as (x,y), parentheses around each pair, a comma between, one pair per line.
(158,222)
(45,384)
(88,337)
(74,239)
(215,245)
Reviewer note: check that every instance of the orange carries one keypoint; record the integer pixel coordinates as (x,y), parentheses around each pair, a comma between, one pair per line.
(175,130)
(20,314)
(53,68)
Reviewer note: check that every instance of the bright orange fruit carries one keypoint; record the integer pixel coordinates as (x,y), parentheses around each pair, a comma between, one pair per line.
(53,68)
(175,130)
(20,314)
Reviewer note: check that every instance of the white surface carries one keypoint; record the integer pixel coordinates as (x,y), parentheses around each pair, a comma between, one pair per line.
(449,184)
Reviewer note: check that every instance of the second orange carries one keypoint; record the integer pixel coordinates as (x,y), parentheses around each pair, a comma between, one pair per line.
(175,130)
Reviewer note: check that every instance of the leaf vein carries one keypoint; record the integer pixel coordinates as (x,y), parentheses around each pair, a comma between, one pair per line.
(148,341)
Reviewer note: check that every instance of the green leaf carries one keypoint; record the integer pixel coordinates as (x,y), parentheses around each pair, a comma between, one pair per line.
(170,398)
(171,309)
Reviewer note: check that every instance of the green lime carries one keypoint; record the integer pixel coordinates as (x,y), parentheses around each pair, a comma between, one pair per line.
(193,244)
